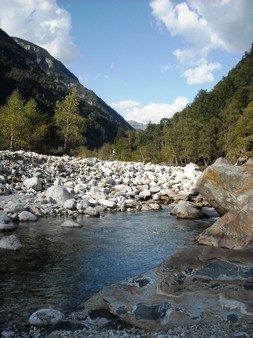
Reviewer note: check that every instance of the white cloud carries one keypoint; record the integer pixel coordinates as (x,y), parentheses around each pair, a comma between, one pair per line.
(42,22)
(201,74)
(127,104)
(205,26)
(153,112)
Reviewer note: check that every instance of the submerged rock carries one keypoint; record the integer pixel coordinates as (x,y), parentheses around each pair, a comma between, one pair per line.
(71,224)
(6,224)
(10,242)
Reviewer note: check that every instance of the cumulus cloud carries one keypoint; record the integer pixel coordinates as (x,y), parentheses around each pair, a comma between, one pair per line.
(202,73)
(42,22)
(205,26)
(127,104)
(152,112)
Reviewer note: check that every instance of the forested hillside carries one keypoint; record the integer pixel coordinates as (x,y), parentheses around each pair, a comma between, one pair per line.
(32,71)
(217,123)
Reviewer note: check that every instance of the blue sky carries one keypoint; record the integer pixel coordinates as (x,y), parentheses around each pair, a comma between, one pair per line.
(146,58)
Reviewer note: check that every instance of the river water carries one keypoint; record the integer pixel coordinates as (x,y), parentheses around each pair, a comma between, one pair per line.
(61,268)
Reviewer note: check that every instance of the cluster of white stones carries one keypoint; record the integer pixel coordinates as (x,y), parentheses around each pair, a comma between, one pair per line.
(33,185)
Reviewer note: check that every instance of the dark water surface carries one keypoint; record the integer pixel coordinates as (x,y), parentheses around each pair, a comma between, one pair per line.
(60,268)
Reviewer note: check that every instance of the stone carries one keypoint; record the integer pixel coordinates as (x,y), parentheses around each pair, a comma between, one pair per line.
(70,204)
(10,242)
(92,212)
(59,194)
(45,317)
(33,183)
(27,216)
(145,193)
(201,284)
(107,203)
(234,230)
(71,224)
(191,171)
(8,334)
(6,223)
(155,189)
(185,209)
(227,187)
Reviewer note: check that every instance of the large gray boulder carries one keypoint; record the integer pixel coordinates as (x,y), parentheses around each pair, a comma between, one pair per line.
(226,186)
(229,189)
(234,230)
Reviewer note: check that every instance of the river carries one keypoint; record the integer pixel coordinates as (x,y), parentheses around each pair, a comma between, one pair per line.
(61,268)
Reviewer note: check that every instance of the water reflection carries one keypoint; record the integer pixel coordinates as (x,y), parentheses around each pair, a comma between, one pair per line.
(60,268)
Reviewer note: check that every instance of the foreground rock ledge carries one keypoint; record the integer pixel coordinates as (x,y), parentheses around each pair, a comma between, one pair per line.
(201,284)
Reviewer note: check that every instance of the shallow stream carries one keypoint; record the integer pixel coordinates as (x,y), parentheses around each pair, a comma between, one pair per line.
(61,268)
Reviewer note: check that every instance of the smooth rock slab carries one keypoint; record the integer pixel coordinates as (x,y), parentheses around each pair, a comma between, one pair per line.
(200,284)
(45,317)
(10,242)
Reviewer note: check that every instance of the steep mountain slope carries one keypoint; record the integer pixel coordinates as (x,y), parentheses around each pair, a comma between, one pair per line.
(37,74)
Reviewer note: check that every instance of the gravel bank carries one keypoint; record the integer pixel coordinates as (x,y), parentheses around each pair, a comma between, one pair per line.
(208,330)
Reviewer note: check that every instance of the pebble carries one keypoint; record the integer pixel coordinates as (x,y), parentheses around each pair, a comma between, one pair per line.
(211,330)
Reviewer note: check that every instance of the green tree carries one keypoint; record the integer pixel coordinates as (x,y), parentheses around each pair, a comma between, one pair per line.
(36,127)
(13,121)
(68,121)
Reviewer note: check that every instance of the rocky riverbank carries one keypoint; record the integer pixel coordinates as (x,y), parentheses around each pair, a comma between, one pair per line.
(33,185)
(201,292)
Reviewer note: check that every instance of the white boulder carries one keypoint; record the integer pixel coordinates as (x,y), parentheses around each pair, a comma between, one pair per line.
(58,194)
(33,183)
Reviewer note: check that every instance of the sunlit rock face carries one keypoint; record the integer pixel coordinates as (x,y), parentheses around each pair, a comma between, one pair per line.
(201,284)
(234,230)
(229,189)
(226,186)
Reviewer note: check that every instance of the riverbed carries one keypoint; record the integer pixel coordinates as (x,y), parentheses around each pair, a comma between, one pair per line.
(61,268)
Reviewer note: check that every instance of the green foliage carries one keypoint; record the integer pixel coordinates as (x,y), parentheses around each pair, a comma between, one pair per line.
(217,123)
(22,126)
(69,123)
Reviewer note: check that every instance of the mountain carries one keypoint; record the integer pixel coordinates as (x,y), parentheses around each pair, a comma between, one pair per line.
(32,70)
(137,125)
